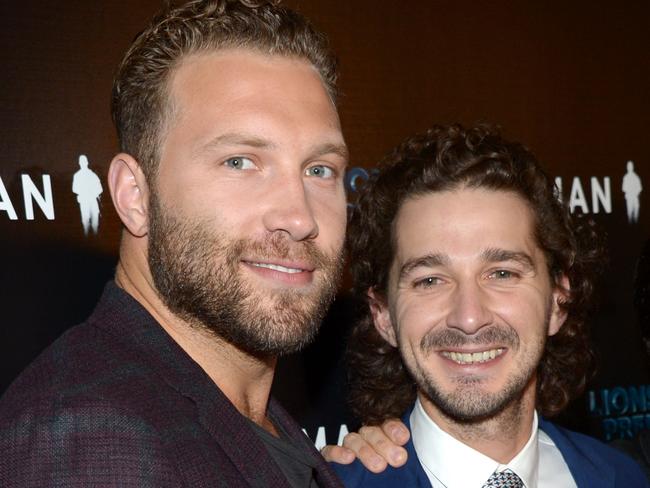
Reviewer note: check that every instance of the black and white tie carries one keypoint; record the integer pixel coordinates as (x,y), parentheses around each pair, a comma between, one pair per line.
(504,479)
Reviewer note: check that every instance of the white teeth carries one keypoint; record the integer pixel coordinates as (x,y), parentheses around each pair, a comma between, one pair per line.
(277,267)
(471,358)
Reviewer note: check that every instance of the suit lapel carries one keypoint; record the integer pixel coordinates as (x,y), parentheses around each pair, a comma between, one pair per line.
(587,469)
(239,442)
(139,331)
(413,464)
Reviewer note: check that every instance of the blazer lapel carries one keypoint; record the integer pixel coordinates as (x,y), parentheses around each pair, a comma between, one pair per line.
(588,470)
(229,429)
(412,461)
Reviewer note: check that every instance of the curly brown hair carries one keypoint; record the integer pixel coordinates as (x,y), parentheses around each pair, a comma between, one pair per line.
(444,158)
(140,100)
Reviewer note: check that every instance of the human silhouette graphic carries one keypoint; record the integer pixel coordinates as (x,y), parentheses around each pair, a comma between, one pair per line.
(632,188)
(87,186)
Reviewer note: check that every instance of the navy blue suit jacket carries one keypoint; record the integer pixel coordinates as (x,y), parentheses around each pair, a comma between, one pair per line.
(593,464)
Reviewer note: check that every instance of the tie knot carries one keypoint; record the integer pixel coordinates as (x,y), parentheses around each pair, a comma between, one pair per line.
(504,479)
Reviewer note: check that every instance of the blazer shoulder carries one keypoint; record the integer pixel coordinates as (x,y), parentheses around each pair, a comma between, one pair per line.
(583,453)
(83,362)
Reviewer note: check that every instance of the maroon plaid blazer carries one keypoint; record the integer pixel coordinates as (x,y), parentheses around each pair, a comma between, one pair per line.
(116,402)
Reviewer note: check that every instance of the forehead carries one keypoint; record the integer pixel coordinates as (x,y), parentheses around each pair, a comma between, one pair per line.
(464,222)
(237,80)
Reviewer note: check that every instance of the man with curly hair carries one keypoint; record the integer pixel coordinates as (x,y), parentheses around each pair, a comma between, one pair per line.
(477,282)
(229,185)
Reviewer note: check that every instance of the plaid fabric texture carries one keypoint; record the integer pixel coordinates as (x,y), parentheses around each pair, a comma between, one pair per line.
(115,402)
(504,479)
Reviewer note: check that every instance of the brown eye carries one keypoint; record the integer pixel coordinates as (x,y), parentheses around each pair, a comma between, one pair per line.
(427,282)
(502,274)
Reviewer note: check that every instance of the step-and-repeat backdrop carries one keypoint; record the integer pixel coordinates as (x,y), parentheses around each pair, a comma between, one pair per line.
(569,79)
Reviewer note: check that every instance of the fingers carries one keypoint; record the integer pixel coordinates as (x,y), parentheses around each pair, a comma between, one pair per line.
(386,441)
(368,455)
(337,454)
(375,446)
(396,431)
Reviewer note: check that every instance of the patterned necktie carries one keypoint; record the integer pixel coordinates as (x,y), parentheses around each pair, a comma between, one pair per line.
(504,479)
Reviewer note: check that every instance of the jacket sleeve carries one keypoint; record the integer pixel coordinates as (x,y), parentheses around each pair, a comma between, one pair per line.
(88,444)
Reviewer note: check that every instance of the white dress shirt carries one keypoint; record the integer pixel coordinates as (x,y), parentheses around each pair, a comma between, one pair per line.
(451,464)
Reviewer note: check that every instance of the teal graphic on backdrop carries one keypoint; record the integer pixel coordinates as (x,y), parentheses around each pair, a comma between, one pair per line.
(624,411)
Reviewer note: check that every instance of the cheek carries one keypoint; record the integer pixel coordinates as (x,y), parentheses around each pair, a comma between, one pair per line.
(525,312)
(415,318)
(330,212)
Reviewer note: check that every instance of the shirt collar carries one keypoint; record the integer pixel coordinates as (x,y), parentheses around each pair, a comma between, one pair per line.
(455,464)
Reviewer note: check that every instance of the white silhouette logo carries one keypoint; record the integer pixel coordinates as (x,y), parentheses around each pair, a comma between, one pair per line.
(87,186)
(632,188)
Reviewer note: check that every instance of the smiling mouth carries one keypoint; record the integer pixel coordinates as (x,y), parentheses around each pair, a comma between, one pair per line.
(277,267)
(473,357)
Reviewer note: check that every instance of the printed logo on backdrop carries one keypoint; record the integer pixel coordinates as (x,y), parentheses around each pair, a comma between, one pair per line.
(321,437)
(623,411)
(39,196)
(632,188)
(32,194)
(88,188)
(595,195)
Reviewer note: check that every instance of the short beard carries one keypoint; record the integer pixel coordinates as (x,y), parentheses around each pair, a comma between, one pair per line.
(196,275)
(466,403)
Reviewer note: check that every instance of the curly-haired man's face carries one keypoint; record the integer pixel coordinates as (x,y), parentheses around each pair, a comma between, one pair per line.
(470,303)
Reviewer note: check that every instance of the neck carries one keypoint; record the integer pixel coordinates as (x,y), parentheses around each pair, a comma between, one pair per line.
(501,436)
(245,379)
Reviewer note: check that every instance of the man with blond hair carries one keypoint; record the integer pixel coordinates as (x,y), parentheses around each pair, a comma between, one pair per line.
(229,185)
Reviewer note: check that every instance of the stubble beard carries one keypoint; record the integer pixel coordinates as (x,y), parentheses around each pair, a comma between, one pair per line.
(197,275)
(466,402)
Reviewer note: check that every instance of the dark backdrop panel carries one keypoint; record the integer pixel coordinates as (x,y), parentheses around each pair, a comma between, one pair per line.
(566,78)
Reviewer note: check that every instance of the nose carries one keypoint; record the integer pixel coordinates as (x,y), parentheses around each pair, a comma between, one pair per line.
(469,311)
(288,210)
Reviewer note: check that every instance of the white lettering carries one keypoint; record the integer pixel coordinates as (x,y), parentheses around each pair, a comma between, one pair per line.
(321,438)
(558,184)
(600,195)
(44,200)
(5,202)
(321,441)
(343,431)
(577,198)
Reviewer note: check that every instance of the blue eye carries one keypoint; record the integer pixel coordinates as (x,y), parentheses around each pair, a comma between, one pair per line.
(239,162)
(319,171)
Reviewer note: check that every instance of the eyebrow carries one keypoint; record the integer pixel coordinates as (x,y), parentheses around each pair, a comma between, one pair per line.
(238,139)
(243,139)
(340,150)
(429,260)
(497,255)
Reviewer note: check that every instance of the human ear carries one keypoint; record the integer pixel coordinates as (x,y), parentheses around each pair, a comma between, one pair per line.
(130,193)
(561,294)
(381,316)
